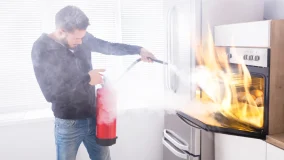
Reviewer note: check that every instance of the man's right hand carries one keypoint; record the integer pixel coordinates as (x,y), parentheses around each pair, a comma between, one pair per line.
(96,76)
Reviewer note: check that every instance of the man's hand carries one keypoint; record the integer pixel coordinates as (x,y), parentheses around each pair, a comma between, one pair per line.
(146,55)
(96,76)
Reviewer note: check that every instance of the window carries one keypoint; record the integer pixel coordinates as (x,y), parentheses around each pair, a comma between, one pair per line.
(142,23)
(138,22)
(20,26)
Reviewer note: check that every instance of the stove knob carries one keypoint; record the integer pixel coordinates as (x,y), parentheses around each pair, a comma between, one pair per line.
(256,58)
(245,57)
(251,57)
(230,55)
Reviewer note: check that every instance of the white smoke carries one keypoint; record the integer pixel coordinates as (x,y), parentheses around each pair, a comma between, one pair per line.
(131,95)
(106,102)
(107,113)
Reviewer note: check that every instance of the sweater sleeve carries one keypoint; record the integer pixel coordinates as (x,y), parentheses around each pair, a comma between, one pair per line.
(109,48)
(54,84)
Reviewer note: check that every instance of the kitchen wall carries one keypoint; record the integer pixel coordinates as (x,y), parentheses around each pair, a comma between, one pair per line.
(219,12)
(27,140)
(274,9)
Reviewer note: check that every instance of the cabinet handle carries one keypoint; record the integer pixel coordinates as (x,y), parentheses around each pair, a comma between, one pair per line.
(176,139)
(179,153)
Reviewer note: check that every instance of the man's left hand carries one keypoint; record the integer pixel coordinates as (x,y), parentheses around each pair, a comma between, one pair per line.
(146,56)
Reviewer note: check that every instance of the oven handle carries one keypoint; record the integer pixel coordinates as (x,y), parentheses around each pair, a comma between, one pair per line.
(176,139)
(176,151)
(188,122)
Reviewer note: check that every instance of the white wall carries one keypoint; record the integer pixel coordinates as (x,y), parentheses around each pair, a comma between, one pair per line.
(274,9)
(139,131)
(27,140)
(219,12)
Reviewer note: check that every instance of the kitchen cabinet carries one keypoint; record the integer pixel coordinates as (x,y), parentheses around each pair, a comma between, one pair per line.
(229,147)
(274,153)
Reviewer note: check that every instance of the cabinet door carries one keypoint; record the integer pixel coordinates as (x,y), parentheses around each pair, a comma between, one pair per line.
(274,153)
(229,147)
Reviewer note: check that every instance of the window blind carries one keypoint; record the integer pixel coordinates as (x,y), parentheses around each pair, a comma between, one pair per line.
(22,22)
(20,26)
(138,22)
(142,23)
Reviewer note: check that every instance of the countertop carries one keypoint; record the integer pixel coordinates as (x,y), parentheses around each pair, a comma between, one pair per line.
(276,140)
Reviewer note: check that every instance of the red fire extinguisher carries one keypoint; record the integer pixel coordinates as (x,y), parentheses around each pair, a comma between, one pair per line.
(106,115)
(106,110)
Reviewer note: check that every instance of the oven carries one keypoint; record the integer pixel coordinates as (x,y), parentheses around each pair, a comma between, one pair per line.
(247,113)
(240,82)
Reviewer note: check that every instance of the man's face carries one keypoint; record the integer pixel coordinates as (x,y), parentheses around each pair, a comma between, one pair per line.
(73,39)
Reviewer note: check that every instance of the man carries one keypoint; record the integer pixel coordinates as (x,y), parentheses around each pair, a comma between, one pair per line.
(63,68)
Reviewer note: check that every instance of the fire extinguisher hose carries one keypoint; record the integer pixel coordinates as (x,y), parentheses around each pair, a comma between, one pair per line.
(137,61)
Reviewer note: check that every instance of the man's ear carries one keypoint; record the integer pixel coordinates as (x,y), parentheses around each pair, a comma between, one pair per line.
(61,31)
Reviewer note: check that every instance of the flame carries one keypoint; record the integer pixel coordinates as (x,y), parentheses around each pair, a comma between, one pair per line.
(222,86)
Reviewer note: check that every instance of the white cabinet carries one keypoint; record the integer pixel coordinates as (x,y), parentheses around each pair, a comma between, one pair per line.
(229,147)
(274,153)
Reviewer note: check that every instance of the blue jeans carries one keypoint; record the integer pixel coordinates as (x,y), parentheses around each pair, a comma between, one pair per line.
(69,134)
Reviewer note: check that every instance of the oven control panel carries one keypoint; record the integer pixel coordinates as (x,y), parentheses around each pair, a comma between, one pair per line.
(250,56)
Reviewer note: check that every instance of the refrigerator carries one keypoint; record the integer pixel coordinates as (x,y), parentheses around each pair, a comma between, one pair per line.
(180,140)
(183,30)
(187,27)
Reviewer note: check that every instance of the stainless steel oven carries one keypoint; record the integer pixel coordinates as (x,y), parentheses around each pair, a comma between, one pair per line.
(247,113)
(239,60)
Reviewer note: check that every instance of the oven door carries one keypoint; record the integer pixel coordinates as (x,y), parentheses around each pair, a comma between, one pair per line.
(250,121)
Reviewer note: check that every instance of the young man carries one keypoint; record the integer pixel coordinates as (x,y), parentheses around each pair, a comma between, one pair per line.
(63,68)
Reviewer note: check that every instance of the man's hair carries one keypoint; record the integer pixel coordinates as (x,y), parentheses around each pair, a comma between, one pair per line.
(70,18)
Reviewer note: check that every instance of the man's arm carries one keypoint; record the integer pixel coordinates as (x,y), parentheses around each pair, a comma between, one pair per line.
(54,84)
(108,48)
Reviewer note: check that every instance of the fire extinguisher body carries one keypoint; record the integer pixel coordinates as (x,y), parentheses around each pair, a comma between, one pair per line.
(106,116)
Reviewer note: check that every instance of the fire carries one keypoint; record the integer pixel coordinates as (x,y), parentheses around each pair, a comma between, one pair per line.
(222,86)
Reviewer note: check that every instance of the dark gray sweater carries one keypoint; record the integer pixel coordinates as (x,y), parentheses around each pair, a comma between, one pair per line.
(63,76)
